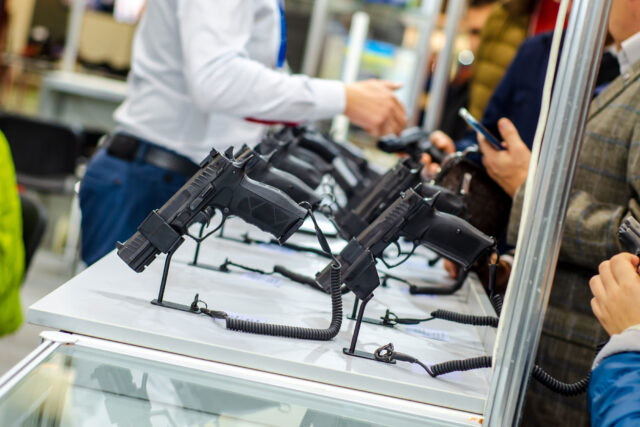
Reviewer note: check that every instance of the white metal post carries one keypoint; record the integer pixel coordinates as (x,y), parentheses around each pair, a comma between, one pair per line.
(313,46)
(429,11)
(440,82)
(357,38)
(74,27)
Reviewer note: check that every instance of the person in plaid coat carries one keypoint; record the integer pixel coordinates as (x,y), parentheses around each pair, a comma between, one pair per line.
(605,190)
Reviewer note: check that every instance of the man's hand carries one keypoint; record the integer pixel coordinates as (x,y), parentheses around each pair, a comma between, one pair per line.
(372,105)
(508,167)
(444,143)
(616,293)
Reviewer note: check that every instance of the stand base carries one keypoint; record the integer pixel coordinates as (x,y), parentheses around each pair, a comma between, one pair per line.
(365,355)
(175,306)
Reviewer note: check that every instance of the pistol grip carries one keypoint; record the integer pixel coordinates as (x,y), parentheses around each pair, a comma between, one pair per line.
(267,208)
(456,239)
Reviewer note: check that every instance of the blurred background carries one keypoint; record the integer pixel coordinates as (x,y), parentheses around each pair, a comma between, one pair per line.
(63,68)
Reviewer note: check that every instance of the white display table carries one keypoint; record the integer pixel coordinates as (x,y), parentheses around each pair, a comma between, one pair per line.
(110,301)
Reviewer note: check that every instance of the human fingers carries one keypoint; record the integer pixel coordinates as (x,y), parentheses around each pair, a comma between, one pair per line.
(398,116)
(484,145)
(595,307)
(434,168)
(391,85)
(510,134)
(400,112)
(425,159)
(442,141)
(489,156)
(600,314)
(597,290)
(624,268)
(606,275)
(389,127)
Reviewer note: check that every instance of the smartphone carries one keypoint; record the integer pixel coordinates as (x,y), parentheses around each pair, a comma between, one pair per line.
(474,123)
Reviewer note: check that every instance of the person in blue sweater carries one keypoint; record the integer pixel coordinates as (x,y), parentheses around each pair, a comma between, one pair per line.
(614,390)
(519,95)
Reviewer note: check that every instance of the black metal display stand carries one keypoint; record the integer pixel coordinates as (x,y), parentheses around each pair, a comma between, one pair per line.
(351,351)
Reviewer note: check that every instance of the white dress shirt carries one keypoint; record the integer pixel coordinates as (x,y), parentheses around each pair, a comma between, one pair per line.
(630,53)
(200,67)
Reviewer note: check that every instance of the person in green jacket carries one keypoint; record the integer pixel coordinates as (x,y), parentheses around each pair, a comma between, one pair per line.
(11,244)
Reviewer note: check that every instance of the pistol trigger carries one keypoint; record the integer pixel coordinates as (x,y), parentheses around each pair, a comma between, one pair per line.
(208,213)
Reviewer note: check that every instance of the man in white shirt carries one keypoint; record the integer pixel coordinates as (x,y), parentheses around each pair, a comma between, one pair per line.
(204,75)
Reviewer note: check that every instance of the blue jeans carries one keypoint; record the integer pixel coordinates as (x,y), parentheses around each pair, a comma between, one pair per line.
(116,196)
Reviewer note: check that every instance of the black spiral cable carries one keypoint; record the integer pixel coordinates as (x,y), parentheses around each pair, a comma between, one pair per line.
(465,319)
(387,353)
(460,365)
(496,302)
(271,329)
(568,389)
(235,324)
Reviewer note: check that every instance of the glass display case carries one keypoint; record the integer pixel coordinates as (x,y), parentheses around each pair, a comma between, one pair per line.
(72,380)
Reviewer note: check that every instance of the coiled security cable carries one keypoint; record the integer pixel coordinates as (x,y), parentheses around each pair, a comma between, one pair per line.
(241,325)
(388,354)
(465,319)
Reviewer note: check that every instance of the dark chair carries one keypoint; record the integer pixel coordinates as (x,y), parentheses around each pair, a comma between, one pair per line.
(34,222)
(45,154)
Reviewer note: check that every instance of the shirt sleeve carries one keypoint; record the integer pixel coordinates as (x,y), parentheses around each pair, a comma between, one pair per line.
(223,79)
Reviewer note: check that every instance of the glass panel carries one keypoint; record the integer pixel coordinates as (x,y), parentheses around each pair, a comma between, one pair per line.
(76,386)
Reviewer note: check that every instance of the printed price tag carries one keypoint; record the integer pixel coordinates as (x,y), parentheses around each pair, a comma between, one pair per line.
(269,280)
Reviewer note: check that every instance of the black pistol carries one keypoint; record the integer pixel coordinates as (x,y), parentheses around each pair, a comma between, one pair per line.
(629,234)
(259,168)
(347,174)
(416,219)
(328,148)
(283,157)
(405,175)
(352,219)
(222,184)
(413,142)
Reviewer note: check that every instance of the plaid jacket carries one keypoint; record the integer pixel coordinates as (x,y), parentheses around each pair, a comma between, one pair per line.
(605,190)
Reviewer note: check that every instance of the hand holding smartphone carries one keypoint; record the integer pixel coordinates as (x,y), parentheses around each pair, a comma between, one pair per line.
(475,124)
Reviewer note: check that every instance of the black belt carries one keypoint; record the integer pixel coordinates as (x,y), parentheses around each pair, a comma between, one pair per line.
(126,147)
